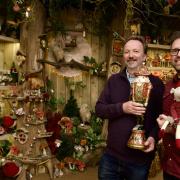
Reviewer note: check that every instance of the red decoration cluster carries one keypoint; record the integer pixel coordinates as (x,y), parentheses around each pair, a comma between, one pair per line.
(10,169)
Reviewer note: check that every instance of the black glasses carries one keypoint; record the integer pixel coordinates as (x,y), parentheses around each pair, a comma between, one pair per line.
(174,52)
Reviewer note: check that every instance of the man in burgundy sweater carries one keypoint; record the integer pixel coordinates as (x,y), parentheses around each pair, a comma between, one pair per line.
(119,162)
(171,159)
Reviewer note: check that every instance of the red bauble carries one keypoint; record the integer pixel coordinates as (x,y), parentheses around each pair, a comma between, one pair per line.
(8,122)
(10,169)
(172,2)
(16,7)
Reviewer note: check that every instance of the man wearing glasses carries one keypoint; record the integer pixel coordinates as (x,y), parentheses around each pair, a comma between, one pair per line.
(171,158)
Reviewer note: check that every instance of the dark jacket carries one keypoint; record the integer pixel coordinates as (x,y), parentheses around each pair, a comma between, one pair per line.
(171,159)
(109,106)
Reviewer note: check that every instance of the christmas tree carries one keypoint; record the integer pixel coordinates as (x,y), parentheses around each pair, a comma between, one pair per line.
(71,109)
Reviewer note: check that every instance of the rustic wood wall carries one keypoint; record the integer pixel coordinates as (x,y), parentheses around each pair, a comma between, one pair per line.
(101,51)
(7,54)
(93,84)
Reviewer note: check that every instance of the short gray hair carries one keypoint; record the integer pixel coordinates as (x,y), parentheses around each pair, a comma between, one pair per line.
(140,39)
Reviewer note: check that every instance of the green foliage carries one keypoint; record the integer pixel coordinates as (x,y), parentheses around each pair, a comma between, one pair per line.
(53,102)
(78,134)
(96,123)
(72,85)
(95,67)
(76,121)
(67,147)
(89,60)
(82,140)
(71,109)
(5,147)
(93,138)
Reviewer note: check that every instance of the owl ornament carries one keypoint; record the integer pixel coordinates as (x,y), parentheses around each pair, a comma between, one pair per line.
(85,114)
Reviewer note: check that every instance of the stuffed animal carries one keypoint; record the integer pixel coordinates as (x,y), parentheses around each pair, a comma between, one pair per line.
(175,115)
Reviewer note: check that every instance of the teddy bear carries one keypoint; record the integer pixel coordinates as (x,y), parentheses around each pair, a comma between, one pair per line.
(175,115)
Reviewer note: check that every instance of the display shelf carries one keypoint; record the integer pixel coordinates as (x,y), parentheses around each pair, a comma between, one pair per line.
(159,46)
(37,122)
(2,88)
(161,69)
(44,135)
(8,39)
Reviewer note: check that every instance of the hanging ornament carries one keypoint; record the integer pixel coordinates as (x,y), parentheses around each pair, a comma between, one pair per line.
(172,2)
(8,122)
(11,169)
(21,135)
(16,7)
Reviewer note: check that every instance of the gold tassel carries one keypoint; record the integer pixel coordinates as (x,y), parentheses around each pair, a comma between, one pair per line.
(155,166)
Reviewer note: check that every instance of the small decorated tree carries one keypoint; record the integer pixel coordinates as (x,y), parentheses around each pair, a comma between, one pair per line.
(71,109)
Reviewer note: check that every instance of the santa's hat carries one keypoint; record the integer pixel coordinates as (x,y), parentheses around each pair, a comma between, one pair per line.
(11,169)
(177,83)
(8,122)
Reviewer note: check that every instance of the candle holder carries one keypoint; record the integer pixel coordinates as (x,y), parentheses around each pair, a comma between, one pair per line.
(141,88)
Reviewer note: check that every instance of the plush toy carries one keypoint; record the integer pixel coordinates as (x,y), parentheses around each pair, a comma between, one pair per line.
(175,115)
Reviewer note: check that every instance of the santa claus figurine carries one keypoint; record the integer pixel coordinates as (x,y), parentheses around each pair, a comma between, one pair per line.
(175,116)
(175,112)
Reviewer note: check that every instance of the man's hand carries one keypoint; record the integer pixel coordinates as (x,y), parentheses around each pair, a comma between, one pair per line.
(135,108)
(161,120)
(149,144)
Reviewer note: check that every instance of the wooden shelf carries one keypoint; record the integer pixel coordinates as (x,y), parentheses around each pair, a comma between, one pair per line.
(158,46)
(8,39)
(161,69)
(6,87)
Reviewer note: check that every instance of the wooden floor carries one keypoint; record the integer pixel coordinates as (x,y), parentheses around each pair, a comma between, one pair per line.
(89,174)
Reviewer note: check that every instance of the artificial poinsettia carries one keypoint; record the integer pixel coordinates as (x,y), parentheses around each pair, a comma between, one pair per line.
(14,150)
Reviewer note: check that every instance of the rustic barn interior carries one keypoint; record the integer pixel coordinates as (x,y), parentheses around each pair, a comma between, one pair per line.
(55,59)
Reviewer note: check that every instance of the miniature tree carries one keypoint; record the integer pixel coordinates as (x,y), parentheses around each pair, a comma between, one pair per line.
(71,109)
